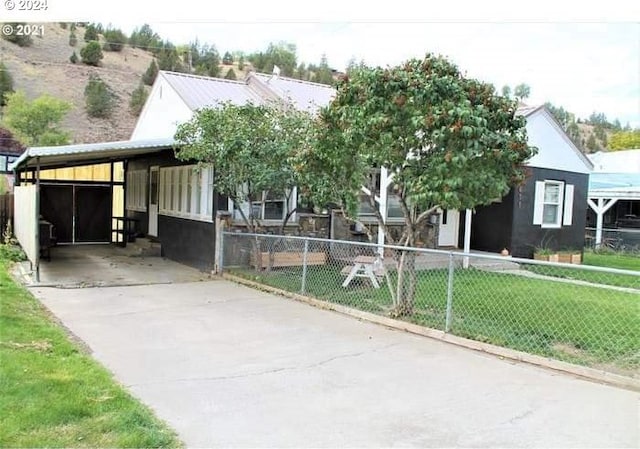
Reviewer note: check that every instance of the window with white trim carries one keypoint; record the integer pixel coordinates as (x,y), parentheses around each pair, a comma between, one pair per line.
(553,204)
(266,206)
(137,190)
(187,192)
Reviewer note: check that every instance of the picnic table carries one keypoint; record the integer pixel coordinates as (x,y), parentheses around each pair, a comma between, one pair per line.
(364,267)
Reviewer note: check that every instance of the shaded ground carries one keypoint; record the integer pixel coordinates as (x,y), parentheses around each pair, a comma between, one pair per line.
(228,366)
(106,265)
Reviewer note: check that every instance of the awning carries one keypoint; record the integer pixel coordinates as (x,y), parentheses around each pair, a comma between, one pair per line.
(89,153)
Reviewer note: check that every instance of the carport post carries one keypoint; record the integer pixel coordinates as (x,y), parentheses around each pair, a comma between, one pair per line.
(37,211)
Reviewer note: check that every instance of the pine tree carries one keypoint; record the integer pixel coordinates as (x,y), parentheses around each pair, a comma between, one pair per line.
(150,74)
(231,75)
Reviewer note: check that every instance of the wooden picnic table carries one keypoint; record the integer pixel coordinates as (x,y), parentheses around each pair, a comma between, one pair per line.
(363,267)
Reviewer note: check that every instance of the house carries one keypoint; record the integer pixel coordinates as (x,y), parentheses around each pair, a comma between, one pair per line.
(164,198)
(175,204)
(548,209)
(614,196)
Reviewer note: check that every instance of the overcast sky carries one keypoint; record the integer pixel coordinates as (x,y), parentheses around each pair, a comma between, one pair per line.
(584,58)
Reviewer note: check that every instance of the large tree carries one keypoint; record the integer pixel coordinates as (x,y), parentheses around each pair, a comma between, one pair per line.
(36,122)
(251,148)
(448,141)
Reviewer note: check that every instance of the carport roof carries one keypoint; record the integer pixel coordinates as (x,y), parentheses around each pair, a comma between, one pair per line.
(88,153)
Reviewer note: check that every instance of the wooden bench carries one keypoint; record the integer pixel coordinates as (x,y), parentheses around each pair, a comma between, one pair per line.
(290,259)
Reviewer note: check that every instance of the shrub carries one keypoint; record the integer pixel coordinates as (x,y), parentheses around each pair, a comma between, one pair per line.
(73,39)
(138,99)
(6,83)
(90,33)
(73,58)
(91,53)
(99,98)
(22,40)
(150,74)
(63,25)
(227,59)
(115,39)
(231,75)
(241,62)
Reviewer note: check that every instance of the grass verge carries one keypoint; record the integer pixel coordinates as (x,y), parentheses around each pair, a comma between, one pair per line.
(54,395)
(592,326)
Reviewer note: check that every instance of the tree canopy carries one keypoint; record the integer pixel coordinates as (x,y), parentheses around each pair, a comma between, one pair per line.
(447,140)
(251,147)
(36,122)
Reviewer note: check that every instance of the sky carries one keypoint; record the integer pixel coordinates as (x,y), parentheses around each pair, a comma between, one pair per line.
(585,59)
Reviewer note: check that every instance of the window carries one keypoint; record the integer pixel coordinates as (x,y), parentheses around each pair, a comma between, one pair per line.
(264,206)
(137,190)
(187,192)
(553,204)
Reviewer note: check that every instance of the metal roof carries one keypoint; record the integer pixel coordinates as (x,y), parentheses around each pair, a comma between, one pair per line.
(201,91)
(304,95)
(615,185)
(88,152)
(625,161)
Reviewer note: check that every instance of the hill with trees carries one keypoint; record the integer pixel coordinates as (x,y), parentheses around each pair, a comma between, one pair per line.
(65,61)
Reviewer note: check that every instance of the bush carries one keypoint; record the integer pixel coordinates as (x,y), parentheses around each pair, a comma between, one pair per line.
(12,253)
(90,33)
(73,58)
(63,25)
(6,84)
(241,62)
(22,40)
(138,99)
(99,98)
(231,75)
(115,39)
(91,53)
(73,39)
(227,59)
(150,74)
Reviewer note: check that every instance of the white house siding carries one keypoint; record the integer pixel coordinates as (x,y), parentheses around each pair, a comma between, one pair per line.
(555,150)
(162,113)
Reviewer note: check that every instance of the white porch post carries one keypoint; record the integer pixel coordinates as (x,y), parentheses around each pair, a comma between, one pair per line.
(385,180)
(599,220)
(467,237)
(600,210)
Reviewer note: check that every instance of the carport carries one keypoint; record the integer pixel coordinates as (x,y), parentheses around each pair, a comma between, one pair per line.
(81,211)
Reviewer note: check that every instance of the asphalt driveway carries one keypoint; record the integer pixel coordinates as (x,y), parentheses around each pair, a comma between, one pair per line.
(229,366)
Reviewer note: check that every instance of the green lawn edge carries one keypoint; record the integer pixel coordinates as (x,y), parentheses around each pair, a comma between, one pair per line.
(53,394)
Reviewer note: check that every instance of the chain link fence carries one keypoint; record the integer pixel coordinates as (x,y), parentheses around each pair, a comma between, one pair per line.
(577,313)
(625,240)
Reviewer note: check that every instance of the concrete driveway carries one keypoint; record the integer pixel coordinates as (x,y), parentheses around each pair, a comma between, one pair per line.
(229,366)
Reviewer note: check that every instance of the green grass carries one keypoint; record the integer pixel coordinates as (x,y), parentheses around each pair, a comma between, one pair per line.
(608,260)
(581,324)
(54,395)
(612,260)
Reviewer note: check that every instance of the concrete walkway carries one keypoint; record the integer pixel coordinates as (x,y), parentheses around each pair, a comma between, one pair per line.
(228,366)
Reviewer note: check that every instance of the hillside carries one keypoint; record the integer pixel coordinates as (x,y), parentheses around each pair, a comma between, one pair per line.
(44,67)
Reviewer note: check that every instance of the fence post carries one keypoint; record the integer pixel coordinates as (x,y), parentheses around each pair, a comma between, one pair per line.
(303,287)
(447,323)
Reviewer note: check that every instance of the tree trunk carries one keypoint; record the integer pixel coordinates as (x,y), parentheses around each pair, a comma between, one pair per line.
(406,284)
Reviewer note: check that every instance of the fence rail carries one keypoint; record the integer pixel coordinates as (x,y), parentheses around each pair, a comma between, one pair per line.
(617,239)
(581,314)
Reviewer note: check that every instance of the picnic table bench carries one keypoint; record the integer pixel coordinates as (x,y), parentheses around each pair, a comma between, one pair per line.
(369,267)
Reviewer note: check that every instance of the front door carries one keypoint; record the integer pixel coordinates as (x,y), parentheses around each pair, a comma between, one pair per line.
(153,202)
(449,222)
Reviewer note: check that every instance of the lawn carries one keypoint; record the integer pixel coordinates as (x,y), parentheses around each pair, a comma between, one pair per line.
(607,260)
(612,260)
(52,394)
(587,325)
